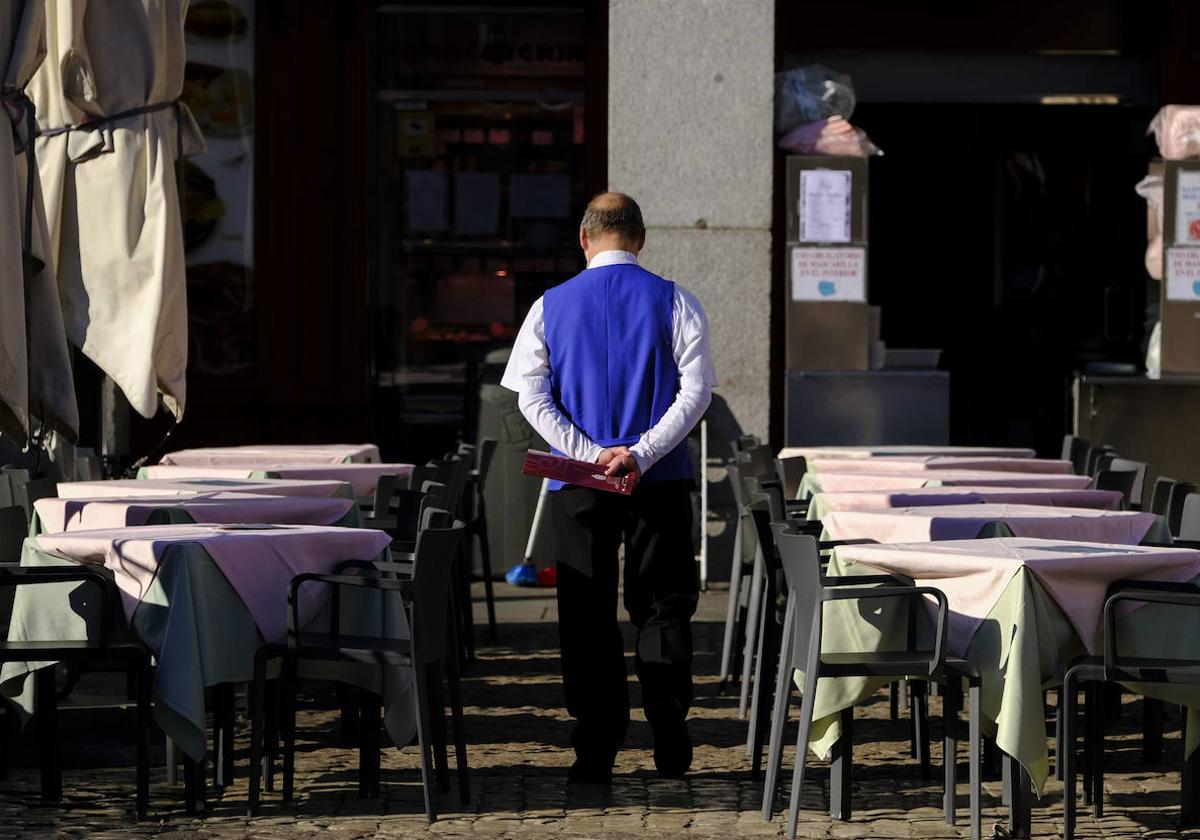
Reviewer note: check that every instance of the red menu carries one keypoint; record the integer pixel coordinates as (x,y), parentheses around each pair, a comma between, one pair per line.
(580,473)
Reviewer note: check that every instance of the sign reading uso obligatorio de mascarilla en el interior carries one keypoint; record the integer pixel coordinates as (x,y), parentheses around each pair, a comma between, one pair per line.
(829,274)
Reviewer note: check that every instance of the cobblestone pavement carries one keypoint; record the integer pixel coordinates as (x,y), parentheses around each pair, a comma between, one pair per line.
(518,737)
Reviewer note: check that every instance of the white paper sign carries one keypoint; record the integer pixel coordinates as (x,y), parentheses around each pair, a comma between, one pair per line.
(425,198)
(1187,209)
(1183,274)
(829,274)
(825,205)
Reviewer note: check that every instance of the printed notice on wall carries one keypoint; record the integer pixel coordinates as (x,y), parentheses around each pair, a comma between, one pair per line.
(1187,209)
(825,205)
(1183,274)
(829,274)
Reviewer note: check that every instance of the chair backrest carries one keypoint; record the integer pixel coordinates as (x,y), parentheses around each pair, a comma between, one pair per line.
(14,527)
(802,570)
(1138,491)
(34,489)
(434,560)
(1160,495)
(746,443)
(452,471)
(1075,449)
(759,461)
(737,484)
(1189,522)
(1180,490)
(419,475)
(487,451)
(385,485)
(791,472)
(1119,480)
(438,493)
(1093,458)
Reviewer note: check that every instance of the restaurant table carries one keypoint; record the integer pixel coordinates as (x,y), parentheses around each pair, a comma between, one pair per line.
(202,598)
(362,477)
(122,487)
(332,453)
(835,482)
(1021,610)
(938,462)
(874,452)
(823,503)
(964,522)
(55,515)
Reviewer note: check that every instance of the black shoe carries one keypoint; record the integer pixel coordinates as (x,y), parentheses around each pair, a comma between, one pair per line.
(672,749)
(589,773)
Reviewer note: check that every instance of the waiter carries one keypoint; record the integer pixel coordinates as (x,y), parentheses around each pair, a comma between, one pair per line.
(613,367)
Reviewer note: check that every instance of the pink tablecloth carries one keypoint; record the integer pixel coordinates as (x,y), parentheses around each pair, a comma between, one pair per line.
(874,452)
(257,560)
(58,515)
(902,464)
(963,522)
(190,487)
(846,482)
(333,453)
(967,495)
(362,477)
(974,573)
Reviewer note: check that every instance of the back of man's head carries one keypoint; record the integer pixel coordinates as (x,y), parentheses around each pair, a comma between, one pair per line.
(613,214)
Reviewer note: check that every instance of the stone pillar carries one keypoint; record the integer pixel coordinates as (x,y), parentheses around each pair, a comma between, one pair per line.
(690,99)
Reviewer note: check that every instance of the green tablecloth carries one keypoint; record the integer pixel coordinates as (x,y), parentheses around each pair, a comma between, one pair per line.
(810,485)
(1023,646)
(201,634)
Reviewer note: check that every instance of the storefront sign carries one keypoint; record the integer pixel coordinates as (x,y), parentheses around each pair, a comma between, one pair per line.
(1183,274)
(829,274)
(1187,209)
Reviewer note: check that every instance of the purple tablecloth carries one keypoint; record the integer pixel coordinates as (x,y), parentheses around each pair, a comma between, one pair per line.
(963,522)
(835,482)
(362,477)
(258,561)
(58,515)
(917,450)
(333,453)
(967,495)
(904,464)
(119,488)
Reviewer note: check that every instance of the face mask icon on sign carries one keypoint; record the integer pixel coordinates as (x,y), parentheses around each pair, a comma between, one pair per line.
(826,288)
(1196,288)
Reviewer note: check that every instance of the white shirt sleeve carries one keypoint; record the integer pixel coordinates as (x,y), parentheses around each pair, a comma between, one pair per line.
(528,373)
(697,378)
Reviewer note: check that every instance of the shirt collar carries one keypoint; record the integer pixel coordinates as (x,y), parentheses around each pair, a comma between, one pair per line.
(613,258)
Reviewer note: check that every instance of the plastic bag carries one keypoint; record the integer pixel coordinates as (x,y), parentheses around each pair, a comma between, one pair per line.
(811,93)
(832,136)
(1154,352)
(1176,129)
(1151,189)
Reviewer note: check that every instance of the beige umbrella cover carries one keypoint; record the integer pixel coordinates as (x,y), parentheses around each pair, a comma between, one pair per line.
(35,366)
(112,129)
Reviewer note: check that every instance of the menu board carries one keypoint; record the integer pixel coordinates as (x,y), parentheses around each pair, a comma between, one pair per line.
(825,205)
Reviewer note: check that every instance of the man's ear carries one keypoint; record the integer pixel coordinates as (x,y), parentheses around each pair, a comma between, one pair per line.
(583,239)
(641,243)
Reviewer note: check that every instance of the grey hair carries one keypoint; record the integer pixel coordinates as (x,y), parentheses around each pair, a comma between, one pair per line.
(610,213)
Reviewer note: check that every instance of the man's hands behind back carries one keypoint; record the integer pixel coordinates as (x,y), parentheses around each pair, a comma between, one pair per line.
(618,460)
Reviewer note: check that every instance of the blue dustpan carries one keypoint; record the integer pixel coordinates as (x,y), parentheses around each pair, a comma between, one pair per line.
(522,574)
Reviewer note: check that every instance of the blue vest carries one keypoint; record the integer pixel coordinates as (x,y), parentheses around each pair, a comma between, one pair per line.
(612,364)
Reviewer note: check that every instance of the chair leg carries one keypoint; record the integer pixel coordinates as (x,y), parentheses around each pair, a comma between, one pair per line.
(764,681)
(840,766)
(1152,730)
(485,555)
(140,669)
(1058,733)
(806,713)
(224,717)
(256,702)
(919,699)
(172,761)
(428,780)
(348,701)
(195,794)
(1189,787)
(756,674)
(951,706)
(369,745)
(783,685)
(731,608)
(287,725)
(754,609)
(468,613)
(456,718)
(894,701)
(437,716)
(46,715)
(1066,756)
(975,733)
(1097,719)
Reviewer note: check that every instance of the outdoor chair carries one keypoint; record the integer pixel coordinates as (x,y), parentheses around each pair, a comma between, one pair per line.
(1189,518)
(791,471)
(1160,495)
(475,516)
(1175,502)
(1093,458)
(1096,673)
(808,592)
(1120,480)
(376,515)
(452,471)
(99,647)
(37,488)
(420,474)
(14,528)
(1075,449)
(1137,492)
(425,596)
(734,612)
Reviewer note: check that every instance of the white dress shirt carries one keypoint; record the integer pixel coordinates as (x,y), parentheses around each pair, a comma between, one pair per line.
(528,373)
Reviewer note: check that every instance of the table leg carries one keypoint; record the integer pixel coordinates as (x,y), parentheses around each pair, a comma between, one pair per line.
(1152,730)
(1018,796)
(840,762)
(1189,792)
(46,717)
(224,719)
(195,796)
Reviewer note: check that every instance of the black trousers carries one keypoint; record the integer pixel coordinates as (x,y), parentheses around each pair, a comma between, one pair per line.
(661,590)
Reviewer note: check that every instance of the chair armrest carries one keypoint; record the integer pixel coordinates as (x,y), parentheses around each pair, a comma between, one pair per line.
(829,545)
(22,575)
(862,580)
(358,581)
(1173,544)
(939,639)
(1159,594)
(1131,584)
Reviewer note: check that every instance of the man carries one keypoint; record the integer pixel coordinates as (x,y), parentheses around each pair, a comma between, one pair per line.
(612,367)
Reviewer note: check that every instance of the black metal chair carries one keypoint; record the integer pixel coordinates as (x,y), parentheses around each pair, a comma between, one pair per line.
(1160,495)
(1120,480)
(1095,673)
(1137,492)
(791,472)
(475,516)
(100,647)
(425,595)
(1094,456)
(1075,449)
(808,592)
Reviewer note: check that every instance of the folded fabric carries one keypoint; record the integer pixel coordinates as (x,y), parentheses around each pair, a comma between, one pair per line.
(1176,129)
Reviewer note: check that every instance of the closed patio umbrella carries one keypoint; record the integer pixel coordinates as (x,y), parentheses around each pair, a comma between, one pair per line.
(111,130)
(36,388)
